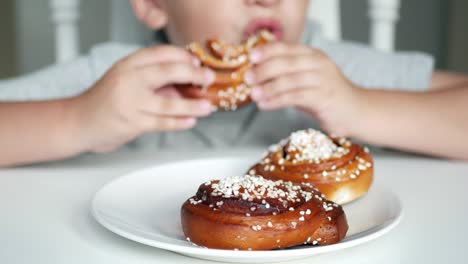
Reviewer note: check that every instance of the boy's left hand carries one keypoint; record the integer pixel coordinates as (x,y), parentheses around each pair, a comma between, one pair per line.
(289,75)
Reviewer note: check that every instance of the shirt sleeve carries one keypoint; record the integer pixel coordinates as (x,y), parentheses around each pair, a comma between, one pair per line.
(52,82)
(370,68)
(66,79)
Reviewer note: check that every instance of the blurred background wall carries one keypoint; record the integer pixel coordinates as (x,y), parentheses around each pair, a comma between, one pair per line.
(421,26)
(7,39)
(457,44)
(35,34)
(438,27)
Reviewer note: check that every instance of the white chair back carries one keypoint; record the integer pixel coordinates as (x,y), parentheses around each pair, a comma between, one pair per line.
(125,28)
(327,14)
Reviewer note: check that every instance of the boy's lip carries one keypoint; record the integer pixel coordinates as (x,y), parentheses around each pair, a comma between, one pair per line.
(270,24)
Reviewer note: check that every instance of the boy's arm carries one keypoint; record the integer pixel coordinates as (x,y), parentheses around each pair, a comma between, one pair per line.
(38,131)
(433,123)
(33,126)
(127,102)
(443,80)
(407,72)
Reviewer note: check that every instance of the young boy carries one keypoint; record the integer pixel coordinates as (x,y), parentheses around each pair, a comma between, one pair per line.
(348,89)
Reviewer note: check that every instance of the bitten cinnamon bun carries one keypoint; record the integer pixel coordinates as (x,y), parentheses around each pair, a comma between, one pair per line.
(253,213)
(342,171)
(230,63)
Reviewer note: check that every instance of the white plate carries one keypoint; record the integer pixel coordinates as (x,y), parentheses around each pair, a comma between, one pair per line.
(144,206)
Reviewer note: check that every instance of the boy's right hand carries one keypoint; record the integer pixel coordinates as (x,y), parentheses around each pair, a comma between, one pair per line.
(130,100)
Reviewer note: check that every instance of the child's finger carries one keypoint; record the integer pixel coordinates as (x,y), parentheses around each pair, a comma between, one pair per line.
(265,52)
(280,65)
(168,91)
(285,83)
(162,123)
(278,102)
(177,107)
(158,54)
(161,75)
(304,97)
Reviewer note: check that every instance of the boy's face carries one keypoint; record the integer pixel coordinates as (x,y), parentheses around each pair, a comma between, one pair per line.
(230,20)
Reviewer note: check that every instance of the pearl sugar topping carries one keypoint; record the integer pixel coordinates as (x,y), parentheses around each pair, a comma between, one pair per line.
(311,145)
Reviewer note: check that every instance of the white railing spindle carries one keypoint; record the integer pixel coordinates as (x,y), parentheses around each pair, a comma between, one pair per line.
(327,13)
(65,16)
(384,15)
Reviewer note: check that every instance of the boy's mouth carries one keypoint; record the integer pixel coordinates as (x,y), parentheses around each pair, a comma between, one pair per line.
(270,24)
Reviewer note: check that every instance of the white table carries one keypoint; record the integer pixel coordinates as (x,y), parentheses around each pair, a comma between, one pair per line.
(45,212)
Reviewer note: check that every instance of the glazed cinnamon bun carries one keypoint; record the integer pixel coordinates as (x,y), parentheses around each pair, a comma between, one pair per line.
(230,62)
(341,170)
(253,213)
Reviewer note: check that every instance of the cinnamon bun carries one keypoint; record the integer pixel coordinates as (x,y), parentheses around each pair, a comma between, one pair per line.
(253,213)
(230,62)
(341,170)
